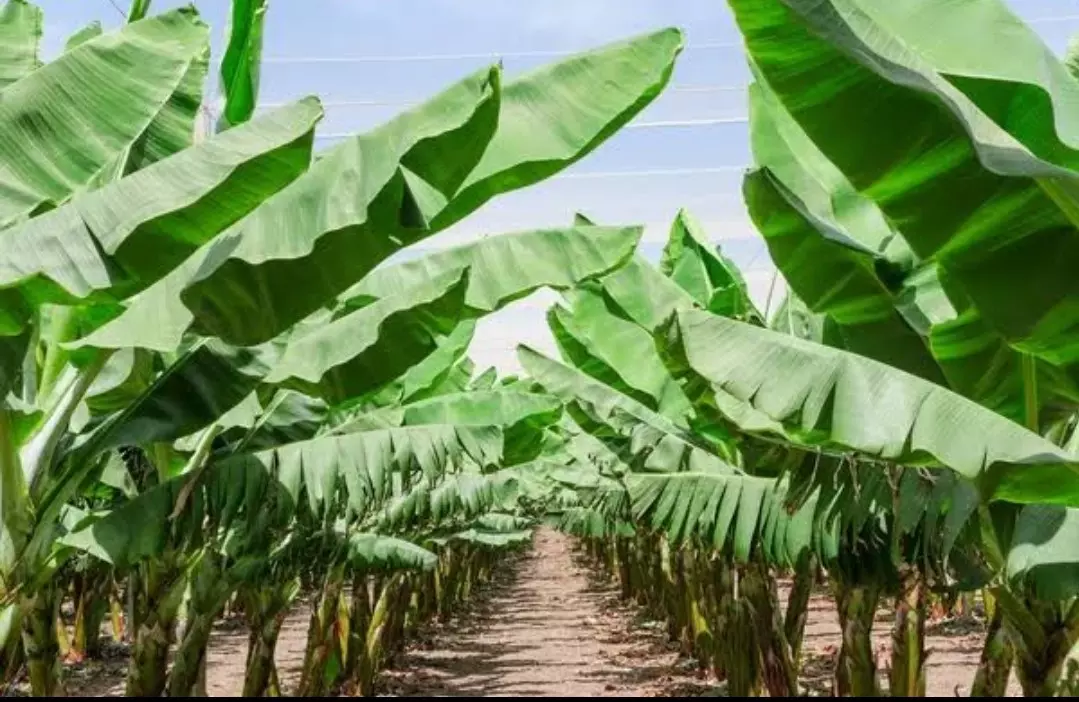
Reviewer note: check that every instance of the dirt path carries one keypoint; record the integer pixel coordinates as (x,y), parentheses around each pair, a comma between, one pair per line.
(546,631)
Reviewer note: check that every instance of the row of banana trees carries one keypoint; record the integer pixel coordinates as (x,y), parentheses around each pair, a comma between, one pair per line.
(904,422)
(215,398)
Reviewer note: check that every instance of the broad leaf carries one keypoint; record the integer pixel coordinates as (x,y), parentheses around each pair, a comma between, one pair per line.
(120,239)
(985,192)
(711,278)
(373,553)
(662,444)
(556,115)
(626,351)
(511,266)
(359,203)
(823,396)
(365,349)
(115,85)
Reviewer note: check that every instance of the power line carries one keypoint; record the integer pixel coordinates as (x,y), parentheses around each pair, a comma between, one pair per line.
(410,58)
(658,124)
(402,102)
(117,8)
(648,173)
(1050,20)
(403,58)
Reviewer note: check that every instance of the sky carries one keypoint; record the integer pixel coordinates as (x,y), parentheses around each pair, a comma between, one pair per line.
(410,49)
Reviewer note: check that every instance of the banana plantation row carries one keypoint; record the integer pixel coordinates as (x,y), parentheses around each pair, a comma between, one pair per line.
(215,398)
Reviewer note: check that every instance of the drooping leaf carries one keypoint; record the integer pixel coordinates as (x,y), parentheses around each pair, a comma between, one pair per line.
(645,295)
(972,153)
(114,86)
(120,239)
(662,444)
(627,353)
(365,349)
(273,481)
(839,254)
(421,379)
(377,553)
(360,202)
(736,514)
(510,266)
(558,114)
(828,397)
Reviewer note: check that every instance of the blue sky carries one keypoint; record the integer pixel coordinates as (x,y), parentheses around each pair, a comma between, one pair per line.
(609,186)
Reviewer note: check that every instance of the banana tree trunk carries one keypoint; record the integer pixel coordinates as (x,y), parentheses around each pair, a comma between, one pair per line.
(794,623)
(723,593)
(210,589)
(321,639)
(856,668)
(190,659)
(380,618)
(41,647)
(157,591)
(777,668)
(92,590)
(1043,635)
(265,607)
(991,679)
(742,660)
(907,677)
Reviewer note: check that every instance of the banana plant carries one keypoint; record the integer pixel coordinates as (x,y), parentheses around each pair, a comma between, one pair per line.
(911,249)
(74,315)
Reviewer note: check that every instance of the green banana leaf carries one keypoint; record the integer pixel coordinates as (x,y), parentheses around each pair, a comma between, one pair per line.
(737,514)
(485,380)
(290,257)
(279,481)
(90,31)
(241,64)
(365,349)
(644,295)
(111,242)
(373,553)
(661,444)
(457,497)
(556,115)
(710,277)
(420,380)
(355,206)
(20,34)
(138,10)
(838,253)
(115,85)
(817,395)
(523,416)
(617,352)
(1043,558)
(918,105)
(511,266)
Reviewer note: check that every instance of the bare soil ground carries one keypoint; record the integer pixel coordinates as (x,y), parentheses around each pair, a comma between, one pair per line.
(547,627)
